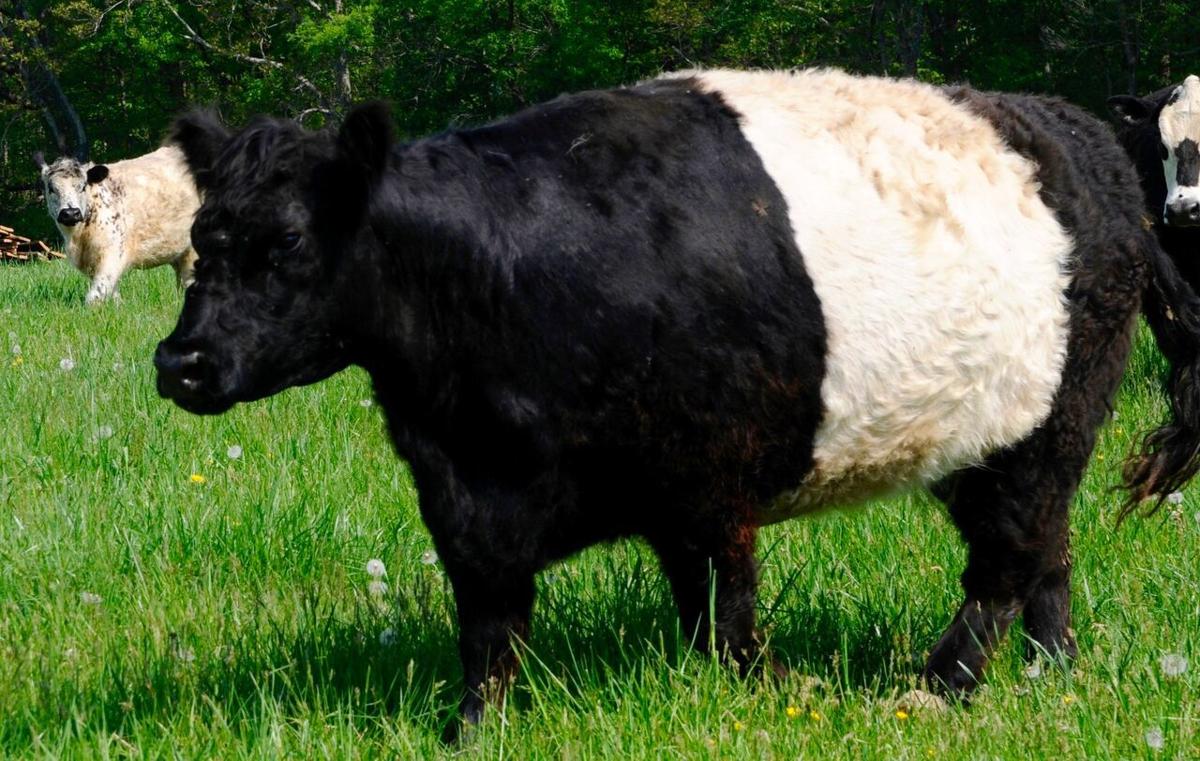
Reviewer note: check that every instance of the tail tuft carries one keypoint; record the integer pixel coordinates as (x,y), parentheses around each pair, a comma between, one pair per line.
(1169,456)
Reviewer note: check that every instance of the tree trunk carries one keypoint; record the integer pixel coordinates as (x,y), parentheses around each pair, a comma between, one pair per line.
(43,89)
(1129,46)
(343,94)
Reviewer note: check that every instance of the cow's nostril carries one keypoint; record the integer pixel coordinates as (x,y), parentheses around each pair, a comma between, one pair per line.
(191,360)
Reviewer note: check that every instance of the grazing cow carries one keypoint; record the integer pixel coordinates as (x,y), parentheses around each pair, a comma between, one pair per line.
(1161,132)
(688,308)
(132,213)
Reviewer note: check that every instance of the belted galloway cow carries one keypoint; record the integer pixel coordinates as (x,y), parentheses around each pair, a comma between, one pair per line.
(685,309)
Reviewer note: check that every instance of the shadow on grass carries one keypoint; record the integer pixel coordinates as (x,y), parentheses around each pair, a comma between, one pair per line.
(590,632)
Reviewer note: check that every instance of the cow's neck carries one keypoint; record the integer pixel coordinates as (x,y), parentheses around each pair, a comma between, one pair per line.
(428,285)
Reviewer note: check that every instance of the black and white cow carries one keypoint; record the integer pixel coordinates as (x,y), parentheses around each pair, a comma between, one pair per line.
(1161,132)
(688,308)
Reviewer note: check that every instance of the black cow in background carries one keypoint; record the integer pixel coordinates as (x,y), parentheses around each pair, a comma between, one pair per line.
(688,308)
(1161,132)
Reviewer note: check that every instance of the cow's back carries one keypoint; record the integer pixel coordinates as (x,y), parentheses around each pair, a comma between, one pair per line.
(151,200)
(940,272)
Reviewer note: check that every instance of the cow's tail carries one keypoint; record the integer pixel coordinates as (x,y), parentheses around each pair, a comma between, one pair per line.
(1170,455)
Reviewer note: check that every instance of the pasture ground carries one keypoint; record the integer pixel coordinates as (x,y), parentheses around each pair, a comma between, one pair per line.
(159,597)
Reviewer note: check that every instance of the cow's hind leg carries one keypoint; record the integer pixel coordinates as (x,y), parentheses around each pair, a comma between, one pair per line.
(184,267)
(1013,514)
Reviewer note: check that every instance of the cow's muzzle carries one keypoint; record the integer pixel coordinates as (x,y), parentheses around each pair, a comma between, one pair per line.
(1184,212)
(187,376)
(70,216)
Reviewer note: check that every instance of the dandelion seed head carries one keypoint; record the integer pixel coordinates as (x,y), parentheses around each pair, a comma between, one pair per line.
(365,403)
(1034,670)
(1175,498)
(377,587)
(118,367)
(233,452)
(90,598)
(103,432)
(375,568)
(1173,664)
(429,557)
(16,350)
(387,637)
(1155,739)
(66,364)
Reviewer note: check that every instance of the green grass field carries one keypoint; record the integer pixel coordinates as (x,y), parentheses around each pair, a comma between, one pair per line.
(161,597)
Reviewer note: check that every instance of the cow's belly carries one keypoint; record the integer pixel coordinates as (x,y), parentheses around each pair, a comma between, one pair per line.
(941,277)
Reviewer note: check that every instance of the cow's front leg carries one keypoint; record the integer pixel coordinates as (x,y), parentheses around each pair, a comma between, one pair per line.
(104,282)
(714,569)
(493,614)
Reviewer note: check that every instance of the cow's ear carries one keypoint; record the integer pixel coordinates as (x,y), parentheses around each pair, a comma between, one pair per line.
(39,159)
(365,139)
(96,173)
(201,136)
(1130,108)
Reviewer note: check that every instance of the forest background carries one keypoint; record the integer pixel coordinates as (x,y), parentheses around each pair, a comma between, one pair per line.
(101,79)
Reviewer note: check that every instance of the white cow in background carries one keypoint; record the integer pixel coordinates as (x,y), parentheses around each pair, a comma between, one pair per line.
(132,213)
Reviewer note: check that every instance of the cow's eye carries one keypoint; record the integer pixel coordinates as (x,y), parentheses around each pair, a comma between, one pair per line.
(289,242)
(220,240)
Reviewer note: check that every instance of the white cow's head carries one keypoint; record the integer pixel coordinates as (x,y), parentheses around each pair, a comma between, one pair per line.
(1175,114)
(65,185)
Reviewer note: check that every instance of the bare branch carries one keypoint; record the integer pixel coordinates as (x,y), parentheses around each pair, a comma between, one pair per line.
(100,19)
(259,60)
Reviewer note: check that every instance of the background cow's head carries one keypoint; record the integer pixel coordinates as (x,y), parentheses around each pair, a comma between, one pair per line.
(65,184)
(281,207)
(1175,114)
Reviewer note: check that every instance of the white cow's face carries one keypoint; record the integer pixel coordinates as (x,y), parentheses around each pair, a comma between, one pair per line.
(1179,126)
(65,183)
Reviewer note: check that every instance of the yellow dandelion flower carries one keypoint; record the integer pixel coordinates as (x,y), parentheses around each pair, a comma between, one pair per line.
(196,478)
(18,361)
(738,726)
(929,752)
(792,712)
(901,714)
(814,715)
(1068,699)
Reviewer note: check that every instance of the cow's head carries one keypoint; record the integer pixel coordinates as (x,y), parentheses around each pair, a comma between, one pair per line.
(1176,113)
(281,207)
(65,183)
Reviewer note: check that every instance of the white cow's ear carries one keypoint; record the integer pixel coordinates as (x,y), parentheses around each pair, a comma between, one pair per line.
(97,173)
(1130,108)
(365,139)
(201,136)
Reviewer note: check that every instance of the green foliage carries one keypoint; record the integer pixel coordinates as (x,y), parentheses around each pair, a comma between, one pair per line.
(128,67)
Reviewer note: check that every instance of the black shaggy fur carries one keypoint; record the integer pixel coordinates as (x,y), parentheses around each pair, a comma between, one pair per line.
(591,321)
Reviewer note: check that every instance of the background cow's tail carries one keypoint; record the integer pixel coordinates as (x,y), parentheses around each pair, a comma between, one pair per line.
(1170,455)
